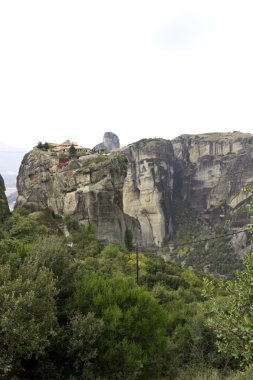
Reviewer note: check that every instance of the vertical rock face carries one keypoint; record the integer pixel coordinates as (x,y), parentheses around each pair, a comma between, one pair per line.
(189,190)
(89,189)
(113,192)
(214,169)
(148,189)
(211,198)
(4,208)
(111,141)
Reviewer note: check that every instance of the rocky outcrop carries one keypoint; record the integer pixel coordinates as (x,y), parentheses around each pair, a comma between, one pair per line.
(4,208)
(211,176)
(214,169)
(181,195)
(148,188)
(89,189)
(110,143)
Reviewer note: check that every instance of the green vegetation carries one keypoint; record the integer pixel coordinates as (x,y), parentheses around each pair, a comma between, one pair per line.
(4,208)
(214,256)
(72,151)
(134,324)
(116,161)
(231,315)
(151,143)
(129,240)
(42,146)
(71,309)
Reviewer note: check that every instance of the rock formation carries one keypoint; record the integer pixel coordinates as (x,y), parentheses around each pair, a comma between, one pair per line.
(4,208)
(89,189)
(170,194)
(214,168)
(148,188)
(211,199)
(110,143)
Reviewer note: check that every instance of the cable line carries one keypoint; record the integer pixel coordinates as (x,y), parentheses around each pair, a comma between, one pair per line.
(211,238)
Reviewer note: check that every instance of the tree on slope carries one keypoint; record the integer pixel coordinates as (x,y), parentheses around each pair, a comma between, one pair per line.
(230,313)
(133,339)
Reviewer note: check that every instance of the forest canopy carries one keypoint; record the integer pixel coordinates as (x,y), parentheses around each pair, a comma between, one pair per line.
(75,311)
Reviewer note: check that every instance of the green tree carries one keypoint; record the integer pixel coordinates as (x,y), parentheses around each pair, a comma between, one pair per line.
(27,315)
(133,339)
(22,226)
(84,332)
(71,223)
(230,314)
(85,242)
(229,311)
(4,208)
(72,151)
(51,252)
(41,146)
(129,240)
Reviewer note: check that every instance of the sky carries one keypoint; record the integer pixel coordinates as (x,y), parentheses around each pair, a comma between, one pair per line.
(139,68)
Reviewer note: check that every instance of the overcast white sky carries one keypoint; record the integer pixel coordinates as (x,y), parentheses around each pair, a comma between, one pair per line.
(140,68)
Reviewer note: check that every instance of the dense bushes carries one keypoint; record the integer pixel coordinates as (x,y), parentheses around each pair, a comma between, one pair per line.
(74,311)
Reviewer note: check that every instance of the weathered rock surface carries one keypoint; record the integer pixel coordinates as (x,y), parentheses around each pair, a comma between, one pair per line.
(110,142)
(171,193)
(148,188)
(211,173)
(89,189)
(4,208)
(214,170)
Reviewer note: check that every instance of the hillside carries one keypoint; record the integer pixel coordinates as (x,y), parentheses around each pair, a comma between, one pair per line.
(169,194)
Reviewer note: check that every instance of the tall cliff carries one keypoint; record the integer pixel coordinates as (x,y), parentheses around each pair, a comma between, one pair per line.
(148,188)
(179,195)
(89,189)
(214,169)
(211,199)
(4,208)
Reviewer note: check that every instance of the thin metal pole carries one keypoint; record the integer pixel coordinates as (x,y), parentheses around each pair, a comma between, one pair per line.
(137,265)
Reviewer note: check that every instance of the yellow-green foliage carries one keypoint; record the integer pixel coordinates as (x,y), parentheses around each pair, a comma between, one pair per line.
(192,278)
(230,315)
(102,160)
(190,373)
(141,260)
(182,251)
(83,316)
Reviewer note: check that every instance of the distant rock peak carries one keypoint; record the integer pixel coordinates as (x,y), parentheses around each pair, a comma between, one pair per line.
(110,142)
